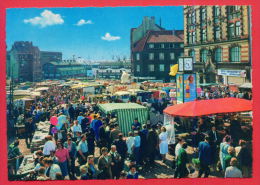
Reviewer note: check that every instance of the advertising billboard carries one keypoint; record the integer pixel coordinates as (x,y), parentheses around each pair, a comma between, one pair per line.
(189,87)
(179,89)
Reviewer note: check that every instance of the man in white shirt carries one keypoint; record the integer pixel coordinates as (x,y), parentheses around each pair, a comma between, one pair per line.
(76,128)
(49,146)
(232,171)
(51,169)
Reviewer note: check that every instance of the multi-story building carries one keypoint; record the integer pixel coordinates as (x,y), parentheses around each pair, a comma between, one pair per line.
(64,70)
(50,56)
(23,62)
(154,50)
(111,70)
(219,40)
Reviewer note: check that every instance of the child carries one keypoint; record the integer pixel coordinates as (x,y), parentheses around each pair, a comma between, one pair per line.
(132,174)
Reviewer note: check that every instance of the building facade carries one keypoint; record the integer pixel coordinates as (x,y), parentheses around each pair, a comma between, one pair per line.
(64,70)
(110,70)
(50,56)
(219,40)
(154,50)
(23,62)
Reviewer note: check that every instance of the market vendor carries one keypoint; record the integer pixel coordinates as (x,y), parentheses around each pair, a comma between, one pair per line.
(14,157)
(136,124)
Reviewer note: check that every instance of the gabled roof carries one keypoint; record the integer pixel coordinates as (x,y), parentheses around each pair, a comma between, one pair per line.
(165,36)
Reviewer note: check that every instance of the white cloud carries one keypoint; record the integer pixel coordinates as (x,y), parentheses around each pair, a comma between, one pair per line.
(47,18)
(82,22)
(109,37)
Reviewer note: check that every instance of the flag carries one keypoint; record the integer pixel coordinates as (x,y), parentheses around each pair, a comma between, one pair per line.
(173,70)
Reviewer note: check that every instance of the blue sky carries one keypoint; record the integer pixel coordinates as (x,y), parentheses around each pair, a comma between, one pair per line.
(90,33)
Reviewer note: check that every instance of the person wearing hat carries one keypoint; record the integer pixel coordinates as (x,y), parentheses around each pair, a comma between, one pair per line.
(232,171)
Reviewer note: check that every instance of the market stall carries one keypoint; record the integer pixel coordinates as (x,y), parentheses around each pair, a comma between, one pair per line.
(126,113)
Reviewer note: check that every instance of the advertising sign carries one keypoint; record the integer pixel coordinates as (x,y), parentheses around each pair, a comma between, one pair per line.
(190,93)
(227,72)
(179,80)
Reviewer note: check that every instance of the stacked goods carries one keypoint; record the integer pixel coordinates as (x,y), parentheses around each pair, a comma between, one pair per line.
(27,165)
(39,136)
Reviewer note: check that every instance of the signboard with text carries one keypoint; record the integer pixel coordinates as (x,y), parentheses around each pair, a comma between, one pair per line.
(231,72)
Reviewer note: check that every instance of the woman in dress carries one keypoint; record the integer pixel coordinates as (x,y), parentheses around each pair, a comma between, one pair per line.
(163,143)
(223,152)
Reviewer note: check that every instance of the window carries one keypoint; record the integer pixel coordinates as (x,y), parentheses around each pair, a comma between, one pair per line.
(193,37)
(151,56)
(191,53)
(171,45)
(216,11)
(203,35)
(151,45)
(203,55)
(161,45)
(137,68)
(181,54)
(181,45)
(161,56)
(151,68)
(217,33)
(189,18)
(235,54)
(193,18)
(190,38)
(161,67)
(203,14)
(172,56)
(137,56)
(218,55)
(233,12)
(238,28)
(231,31)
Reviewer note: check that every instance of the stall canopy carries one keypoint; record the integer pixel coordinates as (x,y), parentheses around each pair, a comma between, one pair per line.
(126,113)
(207,107)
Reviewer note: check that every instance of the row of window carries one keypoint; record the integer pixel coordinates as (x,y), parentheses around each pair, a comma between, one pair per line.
(232,13)
(151,68)
(151,56)
(163,45)
(235,54)
(234,29)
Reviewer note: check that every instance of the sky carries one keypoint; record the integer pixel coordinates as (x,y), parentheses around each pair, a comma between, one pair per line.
(90,33)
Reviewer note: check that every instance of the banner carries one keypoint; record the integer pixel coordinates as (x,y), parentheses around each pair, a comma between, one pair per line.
(231,72)
(179,81)
(190,93)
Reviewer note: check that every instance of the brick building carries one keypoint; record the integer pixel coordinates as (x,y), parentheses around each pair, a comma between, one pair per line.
(23,62)
(154,50)
(219,39)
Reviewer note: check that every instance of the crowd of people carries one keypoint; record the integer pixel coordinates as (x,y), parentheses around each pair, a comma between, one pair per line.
(90,145)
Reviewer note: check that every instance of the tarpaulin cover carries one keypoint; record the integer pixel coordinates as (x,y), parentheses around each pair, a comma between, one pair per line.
(207,107)
(126,113)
